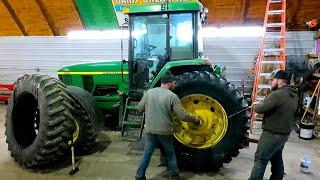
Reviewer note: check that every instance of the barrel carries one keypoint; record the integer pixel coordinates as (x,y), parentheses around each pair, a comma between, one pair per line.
(306,130)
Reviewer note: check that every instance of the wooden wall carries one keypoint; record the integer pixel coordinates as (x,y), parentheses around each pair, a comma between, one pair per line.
(38,17)
(57,17)
(239,12)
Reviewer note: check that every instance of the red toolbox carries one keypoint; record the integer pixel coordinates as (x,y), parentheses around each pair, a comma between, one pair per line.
(6,91)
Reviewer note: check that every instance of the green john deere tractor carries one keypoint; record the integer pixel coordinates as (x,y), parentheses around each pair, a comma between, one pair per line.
(45,114)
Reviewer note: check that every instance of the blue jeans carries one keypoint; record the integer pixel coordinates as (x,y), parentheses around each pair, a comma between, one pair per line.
(269,148)
(151,142)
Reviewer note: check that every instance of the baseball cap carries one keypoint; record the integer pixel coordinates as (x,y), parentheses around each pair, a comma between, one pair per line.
(279,74)
(167,78)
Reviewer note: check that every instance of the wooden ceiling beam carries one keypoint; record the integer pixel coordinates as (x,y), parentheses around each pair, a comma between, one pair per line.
(15,17)
(292,11)
(29,17)
(244,11)
(62,16)
(8,26)
(48,17)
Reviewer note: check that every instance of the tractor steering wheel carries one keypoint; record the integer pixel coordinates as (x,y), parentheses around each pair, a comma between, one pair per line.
(151,47)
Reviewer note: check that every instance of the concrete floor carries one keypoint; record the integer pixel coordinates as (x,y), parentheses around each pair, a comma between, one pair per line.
(114,160)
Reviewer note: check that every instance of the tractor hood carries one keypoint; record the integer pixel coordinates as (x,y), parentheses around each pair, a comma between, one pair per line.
(95,68)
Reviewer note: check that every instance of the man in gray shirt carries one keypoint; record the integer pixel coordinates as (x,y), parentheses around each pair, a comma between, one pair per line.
(159,105)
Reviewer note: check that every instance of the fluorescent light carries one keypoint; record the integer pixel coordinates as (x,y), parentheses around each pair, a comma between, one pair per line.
(249,31)
(213,32)
(107,34)
(208,32)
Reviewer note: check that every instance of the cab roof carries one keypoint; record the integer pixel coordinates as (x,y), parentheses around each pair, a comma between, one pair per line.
(149,6)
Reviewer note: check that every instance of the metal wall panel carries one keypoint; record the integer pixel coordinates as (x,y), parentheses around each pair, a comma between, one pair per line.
(45,55)
(237,54)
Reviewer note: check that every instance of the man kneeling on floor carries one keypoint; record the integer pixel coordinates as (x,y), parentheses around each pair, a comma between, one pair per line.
(278,109)
(159,105)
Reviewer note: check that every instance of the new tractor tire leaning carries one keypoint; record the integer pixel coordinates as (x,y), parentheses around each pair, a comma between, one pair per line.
(86,139)
(39,121)
(236,135)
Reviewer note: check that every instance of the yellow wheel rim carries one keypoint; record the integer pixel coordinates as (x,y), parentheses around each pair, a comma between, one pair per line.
(75,134)
(213,126)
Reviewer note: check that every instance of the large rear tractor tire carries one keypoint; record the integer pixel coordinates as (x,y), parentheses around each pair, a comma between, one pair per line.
(39,121)
(218,138)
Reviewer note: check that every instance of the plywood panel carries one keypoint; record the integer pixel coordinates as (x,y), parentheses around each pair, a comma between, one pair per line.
(63,15)
(31,17)
(8,26)
(222,12)
(255,11)
(307,10)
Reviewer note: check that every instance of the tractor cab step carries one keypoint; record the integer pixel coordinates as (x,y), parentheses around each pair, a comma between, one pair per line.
(133,121)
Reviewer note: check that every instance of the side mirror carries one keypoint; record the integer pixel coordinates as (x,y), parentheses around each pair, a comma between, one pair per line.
(124,61)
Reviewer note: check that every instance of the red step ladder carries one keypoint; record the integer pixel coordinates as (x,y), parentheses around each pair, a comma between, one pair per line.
(269,58)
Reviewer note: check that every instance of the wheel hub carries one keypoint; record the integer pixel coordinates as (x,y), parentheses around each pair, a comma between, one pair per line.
(75,134)
(213,126)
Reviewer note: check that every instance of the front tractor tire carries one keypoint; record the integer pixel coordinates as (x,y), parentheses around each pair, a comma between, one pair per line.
(40,121)
(218,138)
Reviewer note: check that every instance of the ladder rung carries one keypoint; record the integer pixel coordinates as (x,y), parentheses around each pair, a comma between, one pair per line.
(132,123)
(264,86)
(275,12)
(273,50)
(272,62)
(274,24)
(259,98)
(275,1)
(265,74)
(274,37)
(258,118)
(132,107)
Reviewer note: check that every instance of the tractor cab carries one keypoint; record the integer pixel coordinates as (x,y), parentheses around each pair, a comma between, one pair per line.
(157,38)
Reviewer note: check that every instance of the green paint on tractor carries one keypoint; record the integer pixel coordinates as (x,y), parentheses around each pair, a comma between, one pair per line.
(107,80)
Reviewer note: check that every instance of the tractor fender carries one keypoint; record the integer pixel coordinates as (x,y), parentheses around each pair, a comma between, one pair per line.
(89,103)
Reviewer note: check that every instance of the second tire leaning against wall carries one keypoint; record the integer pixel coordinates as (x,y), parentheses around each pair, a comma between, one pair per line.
(39,121)
(218,138)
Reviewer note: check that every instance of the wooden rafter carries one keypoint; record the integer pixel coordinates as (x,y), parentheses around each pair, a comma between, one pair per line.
(292,12)
(15,17)
(244,11)
(48,17)
(8,26)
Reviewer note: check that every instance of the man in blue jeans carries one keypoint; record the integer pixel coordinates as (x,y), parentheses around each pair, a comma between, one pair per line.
(159,105)
(279,109)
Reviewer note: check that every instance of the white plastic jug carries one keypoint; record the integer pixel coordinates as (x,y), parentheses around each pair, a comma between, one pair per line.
(305,164)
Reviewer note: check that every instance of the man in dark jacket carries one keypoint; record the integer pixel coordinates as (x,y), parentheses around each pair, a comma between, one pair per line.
(278,109)
(159,105)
